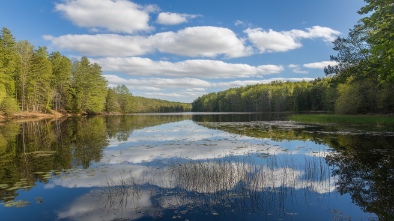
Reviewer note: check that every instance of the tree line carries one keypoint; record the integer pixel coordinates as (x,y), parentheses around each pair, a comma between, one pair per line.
(361,82)
(321,94)
(149,105)
(34,80)
(278,96)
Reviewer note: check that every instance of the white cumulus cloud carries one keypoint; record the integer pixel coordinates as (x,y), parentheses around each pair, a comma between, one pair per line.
(327,34)
(119,16)
(137,66)
(102,44)
(204,41)
(320,65)
(168,18)
(274,41)
(271,41)
(159,82)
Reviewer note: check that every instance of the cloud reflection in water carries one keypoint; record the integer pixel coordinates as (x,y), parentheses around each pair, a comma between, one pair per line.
(172,166)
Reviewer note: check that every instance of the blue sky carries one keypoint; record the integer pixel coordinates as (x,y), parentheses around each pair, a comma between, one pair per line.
(178,50)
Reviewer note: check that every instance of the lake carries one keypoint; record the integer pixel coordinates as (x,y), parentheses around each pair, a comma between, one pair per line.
(207,166)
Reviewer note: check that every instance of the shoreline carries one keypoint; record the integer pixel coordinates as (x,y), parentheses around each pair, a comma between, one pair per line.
(34,116)
(27,116)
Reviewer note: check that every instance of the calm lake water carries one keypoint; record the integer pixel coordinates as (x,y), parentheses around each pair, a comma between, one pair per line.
(194,167)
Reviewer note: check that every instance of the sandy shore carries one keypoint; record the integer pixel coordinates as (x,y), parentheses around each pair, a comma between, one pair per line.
(25,116)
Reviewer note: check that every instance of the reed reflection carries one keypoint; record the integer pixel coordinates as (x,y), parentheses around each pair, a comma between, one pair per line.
(233,185)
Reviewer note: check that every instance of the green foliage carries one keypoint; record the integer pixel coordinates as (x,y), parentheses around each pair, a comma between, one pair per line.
(60,81)
(39,91)
(3,92)
(385,98)
(368,50)
(124,99)
(111,104)
(88,87)
(357,96)
(25,54)
(8,63)
(9,106)
(379,25)
(119,99)
(148,105)
(352,58)
(277,96)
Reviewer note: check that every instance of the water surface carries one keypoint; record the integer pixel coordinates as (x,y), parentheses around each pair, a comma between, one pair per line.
(194,167)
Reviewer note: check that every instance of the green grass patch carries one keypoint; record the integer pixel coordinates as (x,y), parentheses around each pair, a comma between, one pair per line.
(344,119)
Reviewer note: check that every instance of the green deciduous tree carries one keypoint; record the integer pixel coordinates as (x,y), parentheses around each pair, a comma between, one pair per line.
(111,104)
(353,58)
(356,96)
(379,26)
(125,98)
(365,66)
(9,106)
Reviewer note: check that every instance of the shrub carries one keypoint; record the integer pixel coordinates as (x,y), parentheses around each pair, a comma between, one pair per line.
(9,106)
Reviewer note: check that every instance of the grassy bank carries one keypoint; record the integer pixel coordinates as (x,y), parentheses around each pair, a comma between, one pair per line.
(344,119)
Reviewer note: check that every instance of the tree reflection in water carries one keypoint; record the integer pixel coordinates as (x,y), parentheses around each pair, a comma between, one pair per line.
(362,160)
(366,174)
(35,151)
(267,182)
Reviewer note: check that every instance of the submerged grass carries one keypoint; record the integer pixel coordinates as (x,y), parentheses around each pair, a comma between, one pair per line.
(377,120)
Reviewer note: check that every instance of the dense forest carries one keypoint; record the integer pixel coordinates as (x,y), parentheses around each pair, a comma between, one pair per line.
(351,97)
(361,82)
(33,80)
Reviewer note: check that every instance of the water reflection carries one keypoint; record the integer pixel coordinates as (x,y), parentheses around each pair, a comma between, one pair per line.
(362,160)
(366,173)
(35,151)
(239,117)
(187,167)
(226,187)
